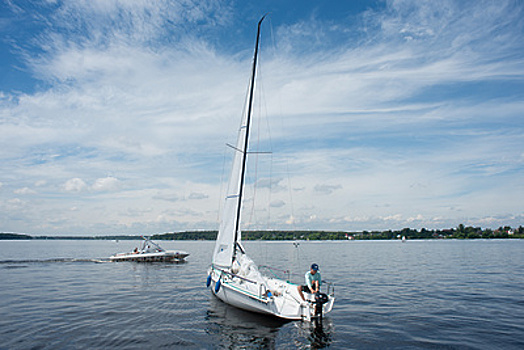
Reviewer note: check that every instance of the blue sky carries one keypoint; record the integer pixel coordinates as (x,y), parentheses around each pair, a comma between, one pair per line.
(114,115)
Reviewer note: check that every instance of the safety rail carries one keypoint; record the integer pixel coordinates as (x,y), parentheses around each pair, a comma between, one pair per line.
(286,275)
(273,269)
(263,292)
(330,287)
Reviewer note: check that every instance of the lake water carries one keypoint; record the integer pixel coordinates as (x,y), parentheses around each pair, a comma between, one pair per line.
(438,294)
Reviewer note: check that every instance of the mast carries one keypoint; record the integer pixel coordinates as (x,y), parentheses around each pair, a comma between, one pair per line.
(246,142)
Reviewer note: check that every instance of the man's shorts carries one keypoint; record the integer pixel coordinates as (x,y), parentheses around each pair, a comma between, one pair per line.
(305,289)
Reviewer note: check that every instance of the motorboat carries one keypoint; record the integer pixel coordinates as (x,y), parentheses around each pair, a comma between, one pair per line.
(150,252)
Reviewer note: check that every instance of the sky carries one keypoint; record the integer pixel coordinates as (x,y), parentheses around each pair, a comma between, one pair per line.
(115,114)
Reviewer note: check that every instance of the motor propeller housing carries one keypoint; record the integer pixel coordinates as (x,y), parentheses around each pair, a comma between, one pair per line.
(320,299)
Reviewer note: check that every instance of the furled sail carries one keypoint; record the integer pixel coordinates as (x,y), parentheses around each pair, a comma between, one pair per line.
(225,242)
(228,239)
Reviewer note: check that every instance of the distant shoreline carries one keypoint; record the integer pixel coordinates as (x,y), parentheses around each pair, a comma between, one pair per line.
(460,232)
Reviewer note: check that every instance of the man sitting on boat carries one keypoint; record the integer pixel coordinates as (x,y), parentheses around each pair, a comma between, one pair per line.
(313,282)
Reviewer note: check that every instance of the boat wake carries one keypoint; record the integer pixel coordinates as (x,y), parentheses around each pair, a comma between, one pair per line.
(15,263)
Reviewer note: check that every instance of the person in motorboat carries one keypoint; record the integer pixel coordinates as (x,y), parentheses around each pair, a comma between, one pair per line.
(313,282)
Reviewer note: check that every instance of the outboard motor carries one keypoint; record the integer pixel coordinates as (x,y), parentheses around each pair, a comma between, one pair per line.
(320,299)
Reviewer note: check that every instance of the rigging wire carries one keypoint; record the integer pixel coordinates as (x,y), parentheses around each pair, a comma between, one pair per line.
(254,221)
(262,110)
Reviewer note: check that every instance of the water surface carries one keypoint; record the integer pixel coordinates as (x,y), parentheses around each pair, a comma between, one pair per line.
(414,295)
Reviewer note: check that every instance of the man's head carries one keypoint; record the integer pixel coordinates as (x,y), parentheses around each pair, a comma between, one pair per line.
(314,268)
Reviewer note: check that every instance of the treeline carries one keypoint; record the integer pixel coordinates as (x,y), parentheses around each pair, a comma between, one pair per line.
(460,232)
(14,236)
(187,236)
(21,236)
(256,235)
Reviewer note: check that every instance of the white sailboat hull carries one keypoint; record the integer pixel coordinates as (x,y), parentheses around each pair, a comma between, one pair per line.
(284,301)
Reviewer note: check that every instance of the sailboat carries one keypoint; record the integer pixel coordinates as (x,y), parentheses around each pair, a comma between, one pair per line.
(233,276)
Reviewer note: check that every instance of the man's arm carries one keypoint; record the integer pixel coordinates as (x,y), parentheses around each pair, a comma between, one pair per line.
(308,280)
(316,283)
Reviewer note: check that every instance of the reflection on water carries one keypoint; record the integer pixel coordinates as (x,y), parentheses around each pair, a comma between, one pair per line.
(235,328)
(315,334)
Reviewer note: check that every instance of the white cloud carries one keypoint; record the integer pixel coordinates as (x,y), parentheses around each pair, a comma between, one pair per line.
(168,197)
(106,184)
(416,122)
(74,185)
(16,201)
(274,184)
(327,189)
(24,190)
(277,203)
(197,196)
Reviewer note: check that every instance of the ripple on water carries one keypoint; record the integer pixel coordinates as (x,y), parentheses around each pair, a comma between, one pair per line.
(426,295)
